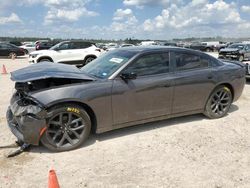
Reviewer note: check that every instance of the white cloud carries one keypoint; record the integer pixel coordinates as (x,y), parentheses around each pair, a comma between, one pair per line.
(245,8)
(245,25)
(58,10)
(70,15)
(13,18)
(67,10)
(142,3)
(120,14)
(124,20)
(195,13)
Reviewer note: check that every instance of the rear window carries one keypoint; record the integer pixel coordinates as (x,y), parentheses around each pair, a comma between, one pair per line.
(6,46)
(186,61)
(82,45)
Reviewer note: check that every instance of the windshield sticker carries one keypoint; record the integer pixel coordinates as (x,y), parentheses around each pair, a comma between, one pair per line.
(116,60)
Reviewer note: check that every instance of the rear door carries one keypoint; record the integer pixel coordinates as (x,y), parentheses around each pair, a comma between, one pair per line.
(147,96)
(82,49)
(193,82)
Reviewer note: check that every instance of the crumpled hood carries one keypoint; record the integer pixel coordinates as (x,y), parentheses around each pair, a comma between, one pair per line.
(45,70)
(229,50)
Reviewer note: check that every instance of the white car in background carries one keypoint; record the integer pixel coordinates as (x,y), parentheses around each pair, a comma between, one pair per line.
(28,48)
(68,52)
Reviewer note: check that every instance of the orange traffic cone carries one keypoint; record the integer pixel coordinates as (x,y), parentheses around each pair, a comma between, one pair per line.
(53,182)
(4,71)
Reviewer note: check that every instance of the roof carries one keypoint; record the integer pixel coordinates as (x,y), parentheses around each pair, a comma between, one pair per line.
(155,48)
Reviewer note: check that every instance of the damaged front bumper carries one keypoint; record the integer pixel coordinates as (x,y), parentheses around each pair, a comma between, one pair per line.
(26,120)
(229,56)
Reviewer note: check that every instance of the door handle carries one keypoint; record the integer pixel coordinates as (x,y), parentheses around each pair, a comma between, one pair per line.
(210,77)
(167,85)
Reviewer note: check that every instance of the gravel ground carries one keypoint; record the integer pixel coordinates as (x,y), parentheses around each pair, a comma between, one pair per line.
(190,151)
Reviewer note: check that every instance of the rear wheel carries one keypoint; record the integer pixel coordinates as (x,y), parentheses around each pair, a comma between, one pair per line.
(44,60)
(219,102)
(26,51)
(88,60)
(67,129)
(12,55)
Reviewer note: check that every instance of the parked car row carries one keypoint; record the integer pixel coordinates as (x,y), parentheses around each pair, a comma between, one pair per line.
(112,46)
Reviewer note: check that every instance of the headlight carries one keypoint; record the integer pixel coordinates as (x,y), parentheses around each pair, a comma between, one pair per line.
(34,55)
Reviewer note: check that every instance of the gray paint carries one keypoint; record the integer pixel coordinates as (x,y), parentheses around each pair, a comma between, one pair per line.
(117,103)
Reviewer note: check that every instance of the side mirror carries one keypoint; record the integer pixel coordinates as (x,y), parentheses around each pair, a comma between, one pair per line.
(128,76)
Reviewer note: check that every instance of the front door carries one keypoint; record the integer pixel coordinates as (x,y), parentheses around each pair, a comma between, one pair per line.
(147,96)
(66,53)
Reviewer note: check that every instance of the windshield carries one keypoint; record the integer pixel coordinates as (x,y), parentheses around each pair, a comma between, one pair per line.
(238,46)
(105,65)
(55,47)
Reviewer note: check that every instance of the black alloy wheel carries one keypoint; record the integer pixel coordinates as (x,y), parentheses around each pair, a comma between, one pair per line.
(88,60)
(44,60)
(219,102)
(67,129)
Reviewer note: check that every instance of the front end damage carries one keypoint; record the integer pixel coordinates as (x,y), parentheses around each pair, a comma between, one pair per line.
(26,118)
(26,115)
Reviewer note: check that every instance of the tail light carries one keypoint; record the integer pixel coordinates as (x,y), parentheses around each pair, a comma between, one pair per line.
(22,50)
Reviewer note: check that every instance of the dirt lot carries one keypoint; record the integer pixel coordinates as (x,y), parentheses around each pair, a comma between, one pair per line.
(190,151)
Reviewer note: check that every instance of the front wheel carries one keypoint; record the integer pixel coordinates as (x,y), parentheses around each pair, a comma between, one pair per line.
(208,50)
(219,102)
(241,58)
(12,55)
(88,60)
(67,129)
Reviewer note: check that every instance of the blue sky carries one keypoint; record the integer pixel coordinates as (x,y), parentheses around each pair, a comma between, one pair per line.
(119,19)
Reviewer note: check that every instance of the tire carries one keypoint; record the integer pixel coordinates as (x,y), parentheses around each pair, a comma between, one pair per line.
(241,58)
(88,60)
(67,128)
(26,51)
(219,102)
(208,50)
(44,60)
(12,55)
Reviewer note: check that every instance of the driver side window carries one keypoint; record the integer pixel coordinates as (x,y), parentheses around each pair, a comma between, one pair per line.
(248,47)
(65,46)
(151,64)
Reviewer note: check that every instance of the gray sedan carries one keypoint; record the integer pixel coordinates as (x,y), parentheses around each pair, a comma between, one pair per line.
(59,104)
